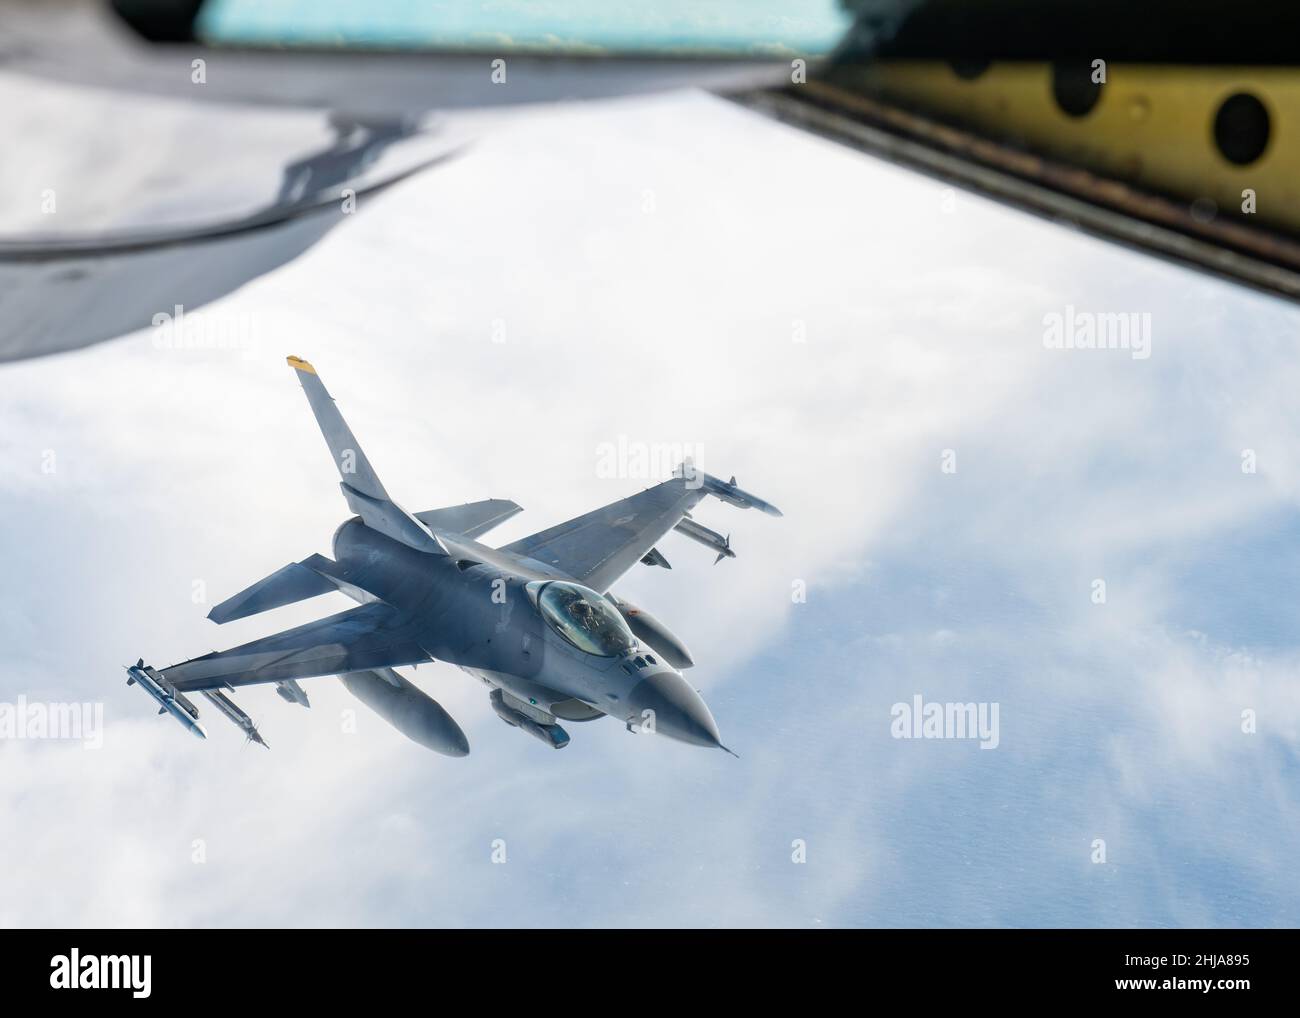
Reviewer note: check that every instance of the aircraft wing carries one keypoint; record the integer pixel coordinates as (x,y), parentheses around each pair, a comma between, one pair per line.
(355,640)
(600,546)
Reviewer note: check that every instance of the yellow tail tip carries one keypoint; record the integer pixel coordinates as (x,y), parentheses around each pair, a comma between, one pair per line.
(298,364)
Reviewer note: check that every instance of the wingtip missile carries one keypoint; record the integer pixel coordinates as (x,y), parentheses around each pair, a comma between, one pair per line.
(170,700)
(728,491)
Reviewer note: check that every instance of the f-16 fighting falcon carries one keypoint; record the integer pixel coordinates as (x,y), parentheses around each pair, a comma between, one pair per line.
(534,621)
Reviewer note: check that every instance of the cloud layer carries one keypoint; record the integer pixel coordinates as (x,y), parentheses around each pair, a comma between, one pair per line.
(834,331)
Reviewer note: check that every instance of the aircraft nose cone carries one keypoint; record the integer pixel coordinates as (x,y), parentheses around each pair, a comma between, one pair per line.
(679,712)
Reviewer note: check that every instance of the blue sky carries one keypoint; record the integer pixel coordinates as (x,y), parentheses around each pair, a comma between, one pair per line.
(825,326)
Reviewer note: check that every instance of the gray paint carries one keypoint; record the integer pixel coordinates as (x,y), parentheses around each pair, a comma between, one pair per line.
(408,709)
(430,592)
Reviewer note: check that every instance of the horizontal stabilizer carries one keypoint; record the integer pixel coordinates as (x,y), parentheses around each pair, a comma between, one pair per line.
(341,578)
(295,582)
(298,581)
(473,519)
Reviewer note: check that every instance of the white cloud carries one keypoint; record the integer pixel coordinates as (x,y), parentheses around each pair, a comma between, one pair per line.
(670,318)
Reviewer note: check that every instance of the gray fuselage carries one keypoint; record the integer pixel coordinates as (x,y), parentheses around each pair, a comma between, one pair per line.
(476,608)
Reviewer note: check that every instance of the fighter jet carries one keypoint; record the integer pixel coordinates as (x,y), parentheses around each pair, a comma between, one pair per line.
(534,621)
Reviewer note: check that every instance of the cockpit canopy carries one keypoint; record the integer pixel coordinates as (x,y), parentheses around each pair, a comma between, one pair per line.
(583,617)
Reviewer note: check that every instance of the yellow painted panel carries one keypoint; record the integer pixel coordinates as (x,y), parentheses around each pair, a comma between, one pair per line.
(1152,125)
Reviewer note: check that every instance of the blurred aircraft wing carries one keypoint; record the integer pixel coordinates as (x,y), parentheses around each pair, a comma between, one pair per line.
(54,248)
(398,64)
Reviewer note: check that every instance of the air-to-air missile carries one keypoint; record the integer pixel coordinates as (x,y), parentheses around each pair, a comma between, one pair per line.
(170,700)
(725,490)
(238,718)
(728,492)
